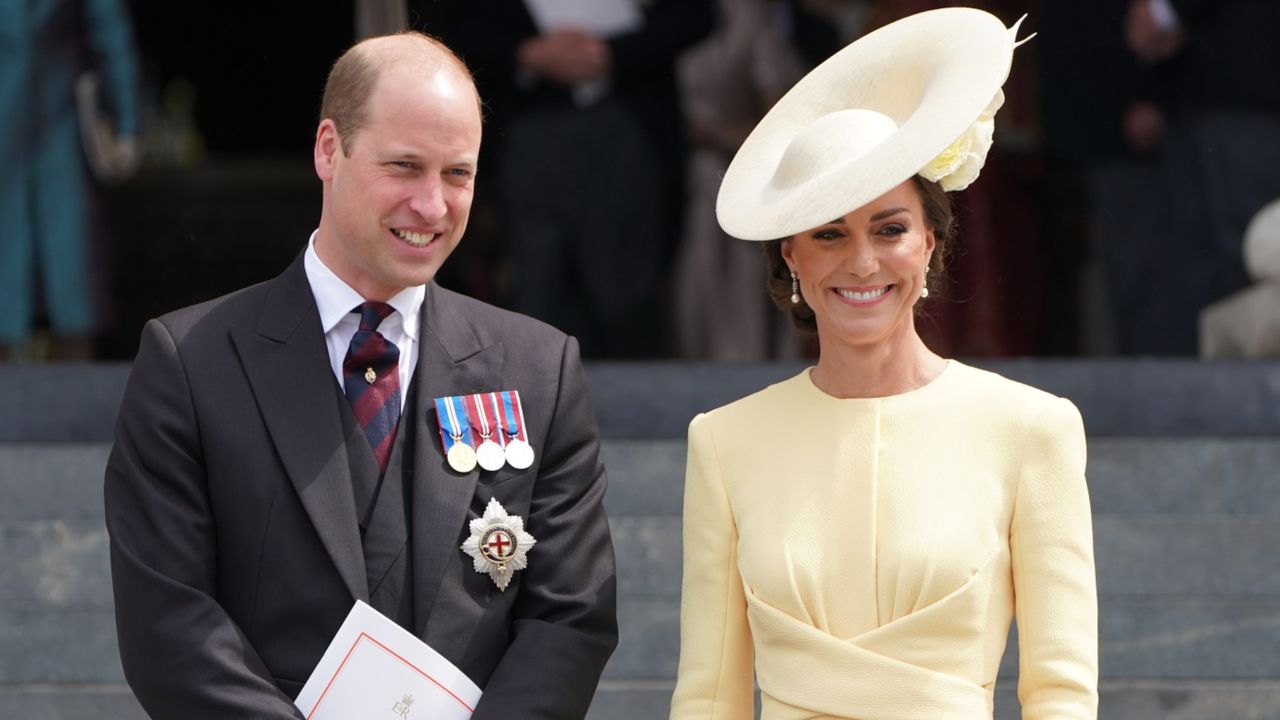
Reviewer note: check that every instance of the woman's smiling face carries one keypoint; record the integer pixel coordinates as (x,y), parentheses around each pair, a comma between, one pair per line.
(862,273)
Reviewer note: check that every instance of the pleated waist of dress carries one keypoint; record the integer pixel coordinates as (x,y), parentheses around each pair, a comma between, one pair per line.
(926,665)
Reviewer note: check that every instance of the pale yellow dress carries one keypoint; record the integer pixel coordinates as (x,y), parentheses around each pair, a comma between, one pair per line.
(868,553)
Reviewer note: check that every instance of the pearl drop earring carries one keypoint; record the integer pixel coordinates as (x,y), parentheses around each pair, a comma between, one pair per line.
(795,289)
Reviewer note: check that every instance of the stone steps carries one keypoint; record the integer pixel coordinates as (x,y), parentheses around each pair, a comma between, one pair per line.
(1142,636)
(1120,398)
(1127,700)
(1184,528)
(1190,586)
(69,701)
(1184,474)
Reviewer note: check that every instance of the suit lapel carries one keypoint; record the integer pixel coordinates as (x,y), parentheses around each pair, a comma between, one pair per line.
(451,361)
(288,368)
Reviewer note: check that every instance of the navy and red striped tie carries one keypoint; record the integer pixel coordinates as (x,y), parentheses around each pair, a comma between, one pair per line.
(371,375)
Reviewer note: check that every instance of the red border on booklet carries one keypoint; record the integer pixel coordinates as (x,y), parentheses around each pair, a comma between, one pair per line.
(366,636)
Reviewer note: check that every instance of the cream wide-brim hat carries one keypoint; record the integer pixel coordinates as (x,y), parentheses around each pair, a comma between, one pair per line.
(920,92)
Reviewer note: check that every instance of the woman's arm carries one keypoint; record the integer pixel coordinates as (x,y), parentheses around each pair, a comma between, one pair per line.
(1051,541)
(715,677)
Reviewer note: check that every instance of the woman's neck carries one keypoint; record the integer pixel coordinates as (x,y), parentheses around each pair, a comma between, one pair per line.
(877,370)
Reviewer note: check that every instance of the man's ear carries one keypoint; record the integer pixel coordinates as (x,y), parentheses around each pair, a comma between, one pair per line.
(328,147)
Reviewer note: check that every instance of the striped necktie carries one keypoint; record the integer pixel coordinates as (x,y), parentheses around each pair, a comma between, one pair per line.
(371,378)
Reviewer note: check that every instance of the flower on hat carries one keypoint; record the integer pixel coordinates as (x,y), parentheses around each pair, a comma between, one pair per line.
(958,166)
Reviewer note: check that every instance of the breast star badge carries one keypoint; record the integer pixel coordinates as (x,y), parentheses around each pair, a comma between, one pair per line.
(498,544)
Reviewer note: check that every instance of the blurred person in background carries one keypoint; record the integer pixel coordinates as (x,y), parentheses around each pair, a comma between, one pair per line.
(1104,223)
(1221,144)
(48,258)
(590,159)
(727,83)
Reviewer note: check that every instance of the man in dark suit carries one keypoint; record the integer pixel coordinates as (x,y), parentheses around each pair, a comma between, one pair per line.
(255,491)
(590,166)
(1221,144)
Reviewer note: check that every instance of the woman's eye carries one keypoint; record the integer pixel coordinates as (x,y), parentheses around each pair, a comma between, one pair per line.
(893,229)
(831,234)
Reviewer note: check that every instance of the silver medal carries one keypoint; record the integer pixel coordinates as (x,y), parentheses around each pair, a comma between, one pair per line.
(490,455)
(519,454)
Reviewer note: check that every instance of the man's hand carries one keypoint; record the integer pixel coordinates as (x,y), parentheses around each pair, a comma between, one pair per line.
(124,158)
(1148,40)
(568,57)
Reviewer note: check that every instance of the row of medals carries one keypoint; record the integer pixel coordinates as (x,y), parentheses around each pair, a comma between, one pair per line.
(489,455)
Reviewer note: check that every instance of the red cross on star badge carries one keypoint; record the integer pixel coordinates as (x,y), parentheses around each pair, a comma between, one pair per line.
(498,544)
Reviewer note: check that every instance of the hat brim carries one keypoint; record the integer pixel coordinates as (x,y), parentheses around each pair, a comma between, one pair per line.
(933,74)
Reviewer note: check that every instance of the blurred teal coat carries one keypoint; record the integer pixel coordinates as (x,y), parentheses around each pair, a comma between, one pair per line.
(45,188)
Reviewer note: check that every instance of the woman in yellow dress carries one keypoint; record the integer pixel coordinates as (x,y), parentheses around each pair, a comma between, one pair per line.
(864,532)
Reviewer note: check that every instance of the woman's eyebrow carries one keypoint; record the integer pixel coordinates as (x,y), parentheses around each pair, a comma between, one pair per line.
(887,213)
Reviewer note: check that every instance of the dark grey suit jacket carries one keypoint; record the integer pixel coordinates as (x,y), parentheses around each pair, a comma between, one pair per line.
(235,552)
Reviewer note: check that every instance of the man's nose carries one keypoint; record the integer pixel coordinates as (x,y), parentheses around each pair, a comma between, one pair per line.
(428,199)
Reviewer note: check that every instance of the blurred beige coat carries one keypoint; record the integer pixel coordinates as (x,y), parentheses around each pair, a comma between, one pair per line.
(727,83)
(1247,323)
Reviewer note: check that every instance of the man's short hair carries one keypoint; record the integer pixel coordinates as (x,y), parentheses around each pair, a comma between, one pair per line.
(354,76)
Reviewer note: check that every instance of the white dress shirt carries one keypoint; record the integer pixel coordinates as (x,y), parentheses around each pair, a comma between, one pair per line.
(335,299)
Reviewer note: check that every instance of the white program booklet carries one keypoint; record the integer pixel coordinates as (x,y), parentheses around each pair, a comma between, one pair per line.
(606,18)
(374,667)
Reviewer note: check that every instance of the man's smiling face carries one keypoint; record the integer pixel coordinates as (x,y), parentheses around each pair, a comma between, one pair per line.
(396,202)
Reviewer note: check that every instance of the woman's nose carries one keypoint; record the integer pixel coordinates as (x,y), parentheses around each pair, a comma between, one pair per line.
(861,259)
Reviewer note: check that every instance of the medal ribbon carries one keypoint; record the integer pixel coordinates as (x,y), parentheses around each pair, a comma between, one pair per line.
(481,419)
(450,427)
(458,418)
(511,406)
(447,429)
(497,418)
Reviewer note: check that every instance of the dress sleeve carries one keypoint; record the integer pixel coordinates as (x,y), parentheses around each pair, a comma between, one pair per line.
(1051,541)
(715,676)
